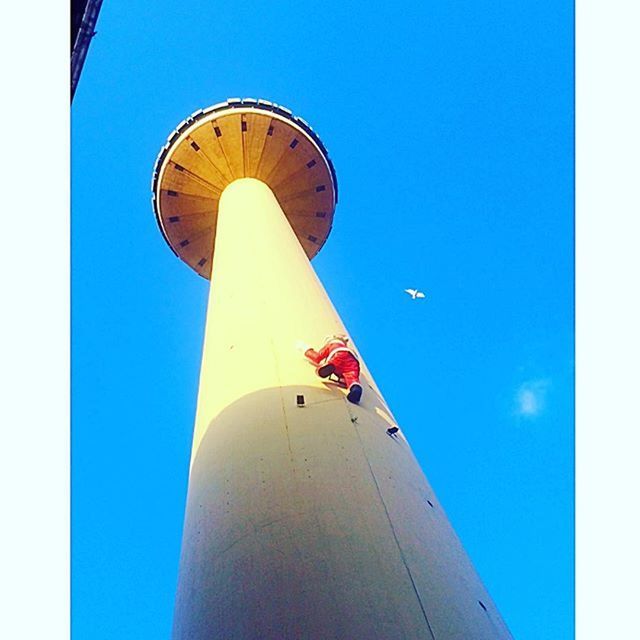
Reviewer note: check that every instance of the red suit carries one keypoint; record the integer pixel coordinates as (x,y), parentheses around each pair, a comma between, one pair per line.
(344,361)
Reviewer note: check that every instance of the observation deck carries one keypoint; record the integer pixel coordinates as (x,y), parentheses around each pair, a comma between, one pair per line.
(241,139)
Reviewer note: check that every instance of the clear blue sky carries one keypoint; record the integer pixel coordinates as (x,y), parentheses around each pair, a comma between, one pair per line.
(451,129)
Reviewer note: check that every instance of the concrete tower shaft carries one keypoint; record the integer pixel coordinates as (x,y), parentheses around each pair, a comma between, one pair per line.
(303,522)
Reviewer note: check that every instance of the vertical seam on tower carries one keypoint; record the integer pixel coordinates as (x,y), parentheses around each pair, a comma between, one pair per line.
(224,155)
(262,148)
(264,144)
(284,411)
(242,136)
(393,531)
(213,164)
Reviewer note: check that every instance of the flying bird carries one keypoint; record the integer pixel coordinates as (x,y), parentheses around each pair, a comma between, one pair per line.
(414,293)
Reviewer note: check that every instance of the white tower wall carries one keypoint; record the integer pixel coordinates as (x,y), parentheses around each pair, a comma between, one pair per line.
(304,523)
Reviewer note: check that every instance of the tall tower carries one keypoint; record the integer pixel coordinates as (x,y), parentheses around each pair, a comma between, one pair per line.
(304,518)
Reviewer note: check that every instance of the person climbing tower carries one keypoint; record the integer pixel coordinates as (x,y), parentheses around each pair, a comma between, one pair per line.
(336,358)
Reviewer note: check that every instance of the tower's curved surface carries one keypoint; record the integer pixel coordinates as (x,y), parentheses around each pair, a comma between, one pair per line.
(301,522)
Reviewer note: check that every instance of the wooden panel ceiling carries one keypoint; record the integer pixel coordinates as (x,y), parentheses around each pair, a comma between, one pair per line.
(236,143)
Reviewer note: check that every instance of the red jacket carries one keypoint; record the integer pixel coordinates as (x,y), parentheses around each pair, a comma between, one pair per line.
(330,349)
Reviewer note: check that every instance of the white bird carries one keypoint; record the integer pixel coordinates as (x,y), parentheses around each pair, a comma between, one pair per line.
(414,293)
